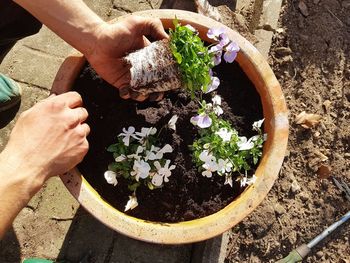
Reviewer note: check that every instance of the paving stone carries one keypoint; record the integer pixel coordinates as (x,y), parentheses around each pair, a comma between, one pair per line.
(87,237)
(56,201)
(31,66)
(127,250)
(133,6)
(48,42)
(100,7)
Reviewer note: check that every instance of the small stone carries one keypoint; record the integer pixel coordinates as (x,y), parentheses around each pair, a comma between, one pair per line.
(319,254)
(283,51)
(295,187)
(304,196)
(303,8)
(326,104)
(347,155)
(280,210)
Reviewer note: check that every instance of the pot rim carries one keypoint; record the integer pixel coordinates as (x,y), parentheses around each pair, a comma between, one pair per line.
(276,126)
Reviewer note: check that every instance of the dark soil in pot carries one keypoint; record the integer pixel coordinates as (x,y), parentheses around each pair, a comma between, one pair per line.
(188,195)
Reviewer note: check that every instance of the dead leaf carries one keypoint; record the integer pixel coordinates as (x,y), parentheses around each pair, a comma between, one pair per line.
(308,120)
(321,156)
(324,171)
(303,8)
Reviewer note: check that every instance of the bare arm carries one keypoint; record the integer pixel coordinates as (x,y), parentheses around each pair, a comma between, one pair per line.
(47,140)
(103,44)
(72,20)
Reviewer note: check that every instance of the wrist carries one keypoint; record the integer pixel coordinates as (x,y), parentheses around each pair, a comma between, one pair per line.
(14,173)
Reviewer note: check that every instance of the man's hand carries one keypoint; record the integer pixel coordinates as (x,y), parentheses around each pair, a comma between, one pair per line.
(114,41)
(48,139)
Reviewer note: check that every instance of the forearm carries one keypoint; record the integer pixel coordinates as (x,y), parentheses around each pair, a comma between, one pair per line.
(72,20)
(16,189)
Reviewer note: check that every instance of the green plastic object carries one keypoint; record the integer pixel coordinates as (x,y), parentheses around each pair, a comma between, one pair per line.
(291,258)
(37,260)
(10,93)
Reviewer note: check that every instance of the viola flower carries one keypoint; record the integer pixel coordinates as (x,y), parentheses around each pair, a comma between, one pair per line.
(223,39)
(210,167)
(201,120)
(127,134)
(120,158)
(162,173)
(215,82)
(111,177)
(248,181)
(166,149)
(145,132)
(216,100)
(231,52)
(205,156)
(228,180)
(217,50)
(257,125)
(136,154)
(172,122)
(140,169)
(244,144)
(151,154)
(132,203)
(214,33)
(224,134)
(191,28)
(224,166)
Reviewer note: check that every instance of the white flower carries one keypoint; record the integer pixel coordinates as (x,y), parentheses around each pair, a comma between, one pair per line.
(244,144)
(210,167)
(191,28)
(172,122)
(202,120)
(162,173)
(218,110)
(166,149)
(120,158)
(248,181)
(127,134)
(228,180)
(151,154)
(216,100)
(257,125)
(145,132)
(132,203)
(205,156)
(111,177)
(224,134)
(224,166)
(141,169)
(136,154)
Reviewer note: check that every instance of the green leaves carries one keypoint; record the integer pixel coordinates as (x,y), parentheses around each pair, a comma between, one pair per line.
(192,56)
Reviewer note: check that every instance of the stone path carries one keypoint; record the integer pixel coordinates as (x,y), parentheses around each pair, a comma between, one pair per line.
(53,225)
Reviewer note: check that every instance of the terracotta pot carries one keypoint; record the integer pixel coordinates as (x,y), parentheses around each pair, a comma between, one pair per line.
(276,126)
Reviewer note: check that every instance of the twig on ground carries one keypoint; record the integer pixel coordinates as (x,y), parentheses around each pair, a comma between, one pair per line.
(59,219)
(340,22)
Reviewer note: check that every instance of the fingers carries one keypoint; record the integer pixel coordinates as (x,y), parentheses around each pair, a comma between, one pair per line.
(124,93)
(152,27)
(72,99)
(79,114)
(137,95)
(85,129)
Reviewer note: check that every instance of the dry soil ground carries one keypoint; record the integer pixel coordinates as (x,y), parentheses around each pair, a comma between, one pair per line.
(310,57)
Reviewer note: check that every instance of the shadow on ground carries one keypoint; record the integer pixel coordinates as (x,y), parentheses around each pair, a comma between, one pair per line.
(10,251)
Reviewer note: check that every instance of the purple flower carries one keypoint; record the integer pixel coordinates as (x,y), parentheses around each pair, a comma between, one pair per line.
(231,52)
(214,33)
(217,50)
(223,39)
(215,82)
(202,120)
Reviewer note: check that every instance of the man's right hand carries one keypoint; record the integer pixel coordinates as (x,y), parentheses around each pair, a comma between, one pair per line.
(50,138)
